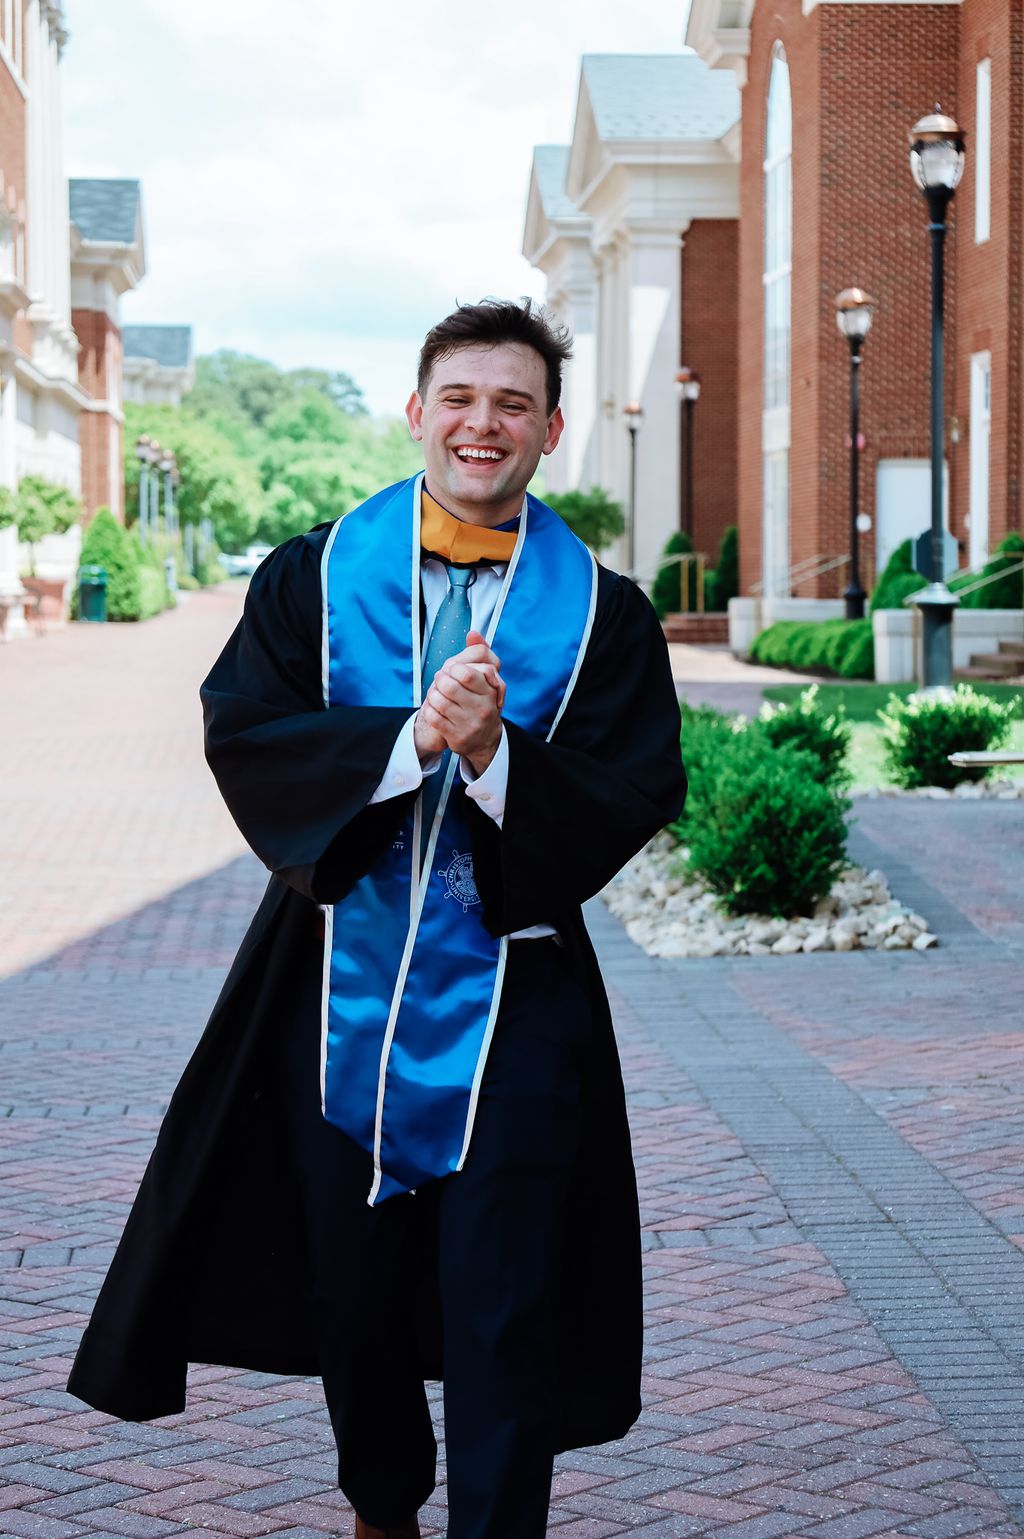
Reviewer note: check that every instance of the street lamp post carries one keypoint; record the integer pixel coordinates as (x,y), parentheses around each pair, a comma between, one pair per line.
(688,393)
(144,454)
(853,317)
(166,467)
(633,414)
(156,455)
(937,164)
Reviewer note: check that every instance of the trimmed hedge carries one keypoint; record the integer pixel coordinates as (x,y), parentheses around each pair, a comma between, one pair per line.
(108,544)
(920,733)
(825,735)
(897,581)
(845,647)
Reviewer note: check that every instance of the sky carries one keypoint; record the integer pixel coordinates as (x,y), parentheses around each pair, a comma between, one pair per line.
(322,179)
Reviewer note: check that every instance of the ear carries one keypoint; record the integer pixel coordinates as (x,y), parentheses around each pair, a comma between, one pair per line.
(414,415)
(556,425)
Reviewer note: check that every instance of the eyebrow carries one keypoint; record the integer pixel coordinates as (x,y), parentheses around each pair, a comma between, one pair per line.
(503,390)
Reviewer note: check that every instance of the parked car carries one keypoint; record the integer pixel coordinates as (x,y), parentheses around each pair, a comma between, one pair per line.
(245,565)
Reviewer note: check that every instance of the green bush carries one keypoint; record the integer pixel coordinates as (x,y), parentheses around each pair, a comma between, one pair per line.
(727,572)
(109,545)
(920,733)
(845,647)
(706,737)
(898,580)
(593,516)
(666,594)
(825,735)
(764,832)
(1004,592)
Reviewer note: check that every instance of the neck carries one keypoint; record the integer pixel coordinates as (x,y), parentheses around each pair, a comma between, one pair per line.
(483,515)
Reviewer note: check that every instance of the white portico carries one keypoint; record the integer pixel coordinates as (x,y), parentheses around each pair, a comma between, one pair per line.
(653,149)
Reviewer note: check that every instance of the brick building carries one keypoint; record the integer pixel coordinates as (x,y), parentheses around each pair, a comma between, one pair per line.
(826,92)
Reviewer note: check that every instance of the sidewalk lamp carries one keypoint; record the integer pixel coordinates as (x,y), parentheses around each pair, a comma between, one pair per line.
(144,455)
(688,393)
(854,310)
(166,470)
(633,416)
(937,164)
(156,455)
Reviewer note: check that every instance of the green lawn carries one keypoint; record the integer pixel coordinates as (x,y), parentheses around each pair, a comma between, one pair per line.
(864,701)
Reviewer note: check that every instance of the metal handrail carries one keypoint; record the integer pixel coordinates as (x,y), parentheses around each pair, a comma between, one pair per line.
(812,566)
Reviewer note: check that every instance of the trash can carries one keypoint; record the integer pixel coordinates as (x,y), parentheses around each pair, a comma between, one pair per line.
(92,593)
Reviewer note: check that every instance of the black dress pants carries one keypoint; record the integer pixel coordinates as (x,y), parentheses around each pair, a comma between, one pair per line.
(493,1232)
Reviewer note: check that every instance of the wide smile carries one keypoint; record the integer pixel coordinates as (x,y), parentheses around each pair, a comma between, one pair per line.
(481,457)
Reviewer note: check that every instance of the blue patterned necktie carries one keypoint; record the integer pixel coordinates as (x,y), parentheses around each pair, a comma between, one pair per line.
(452,624)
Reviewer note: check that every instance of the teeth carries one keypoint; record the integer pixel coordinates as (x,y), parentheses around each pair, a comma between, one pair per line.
(479,454)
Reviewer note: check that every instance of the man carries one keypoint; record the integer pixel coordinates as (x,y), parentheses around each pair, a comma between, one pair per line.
(400,1149)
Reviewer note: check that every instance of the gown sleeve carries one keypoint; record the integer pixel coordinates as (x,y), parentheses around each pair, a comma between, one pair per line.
(297,777)
(578,807)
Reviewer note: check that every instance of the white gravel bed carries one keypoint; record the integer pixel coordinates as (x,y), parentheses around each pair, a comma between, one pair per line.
(669,915)
(967,790)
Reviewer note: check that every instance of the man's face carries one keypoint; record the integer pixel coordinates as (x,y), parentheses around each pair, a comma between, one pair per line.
(484,425)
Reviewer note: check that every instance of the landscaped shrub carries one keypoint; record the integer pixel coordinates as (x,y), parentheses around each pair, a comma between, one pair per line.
(845,647)
(921,732)
(727,572)
(898,580)
(593,516)
(825,735)
(109,545)
(763,832)
(1004,592)
(705,737)
(666,594)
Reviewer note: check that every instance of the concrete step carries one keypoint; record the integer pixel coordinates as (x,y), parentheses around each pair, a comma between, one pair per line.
(998,664)
(1012,648)
(984,672)
(697,630)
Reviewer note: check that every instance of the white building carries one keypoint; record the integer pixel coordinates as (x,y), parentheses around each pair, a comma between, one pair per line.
(653,150)
(159,365)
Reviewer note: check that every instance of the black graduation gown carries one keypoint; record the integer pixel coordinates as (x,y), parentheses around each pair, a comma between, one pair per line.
(210,1265)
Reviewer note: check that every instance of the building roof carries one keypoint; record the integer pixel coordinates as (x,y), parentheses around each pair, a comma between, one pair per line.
(550,163)
(659,96)
(105,209)
(170,346)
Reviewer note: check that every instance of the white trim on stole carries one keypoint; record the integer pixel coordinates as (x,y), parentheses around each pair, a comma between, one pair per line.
(328,909)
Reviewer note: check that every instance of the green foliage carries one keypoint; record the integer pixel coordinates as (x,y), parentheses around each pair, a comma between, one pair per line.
(764,832)
(1005,592)
(42,507)
(726,583)
(237,385)
(922,731)
(845,647)
(898,580)
(108,545)
(8,508)
(666,594)
(825,735)
(154,596)
(593,516)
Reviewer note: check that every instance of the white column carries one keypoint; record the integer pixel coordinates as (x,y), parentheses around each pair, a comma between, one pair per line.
(653,340)
(581,405)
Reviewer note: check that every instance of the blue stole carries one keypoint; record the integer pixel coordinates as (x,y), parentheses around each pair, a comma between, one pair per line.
(412,980)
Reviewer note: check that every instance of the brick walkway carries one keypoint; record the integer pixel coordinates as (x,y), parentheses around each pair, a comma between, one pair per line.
(829,1151)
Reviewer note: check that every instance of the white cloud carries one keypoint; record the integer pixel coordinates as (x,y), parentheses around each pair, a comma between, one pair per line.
(327,175)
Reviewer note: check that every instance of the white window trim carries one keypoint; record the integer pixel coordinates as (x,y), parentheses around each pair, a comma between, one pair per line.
(983,152)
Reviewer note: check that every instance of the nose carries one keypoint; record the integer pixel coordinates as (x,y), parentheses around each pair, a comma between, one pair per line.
(482,416)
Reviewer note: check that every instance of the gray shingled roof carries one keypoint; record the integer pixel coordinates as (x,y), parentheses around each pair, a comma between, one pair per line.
(550,162)
(167,345)
(660,96)
(105,209)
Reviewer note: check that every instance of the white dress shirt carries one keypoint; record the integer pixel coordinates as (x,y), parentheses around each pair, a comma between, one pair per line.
(404,771)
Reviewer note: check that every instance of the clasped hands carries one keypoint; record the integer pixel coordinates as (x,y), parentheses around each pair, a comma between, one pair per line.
(462,708)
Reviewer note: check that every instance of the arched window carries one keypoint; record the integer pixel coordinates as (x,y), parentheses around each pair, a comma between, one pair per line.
(778,248)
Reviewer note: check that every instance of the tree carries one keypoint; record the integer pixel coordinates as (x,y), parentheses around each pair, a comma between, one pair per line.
(8,508)
(593,516)
(217,482)
(41,508)
(340,389)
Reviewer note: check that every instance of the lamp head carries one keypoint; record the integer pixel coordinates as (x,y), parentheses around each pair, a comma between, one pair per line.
(854,312)
(937,153)
(633,416)
(687,384)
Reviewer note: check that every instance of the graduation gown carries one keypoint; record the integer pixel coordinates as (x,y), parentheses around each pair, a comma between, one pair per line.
(210,1267)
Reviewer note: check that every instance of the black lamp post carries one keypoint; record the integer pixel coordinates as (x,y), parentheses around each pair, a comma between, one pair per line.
(853,317)
(633,415)
(688,392)
(937,164)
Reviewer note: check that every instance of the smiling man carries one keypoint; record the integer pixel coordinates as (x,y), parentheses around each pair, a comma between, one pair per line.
(400,1149)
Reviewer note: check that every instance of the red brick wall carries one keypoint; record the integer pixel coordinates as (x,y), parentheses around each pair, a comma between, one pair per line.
(989,275)
(99,362)
(709,344)
(860,77)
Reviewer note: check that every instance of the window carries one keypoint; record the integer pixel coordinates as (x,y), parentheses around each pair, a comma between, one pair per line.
(983,152)
(778,247)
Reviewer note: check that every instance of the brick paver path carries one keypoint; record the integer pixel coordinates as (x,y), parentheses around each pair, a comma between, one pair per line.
(829,1151)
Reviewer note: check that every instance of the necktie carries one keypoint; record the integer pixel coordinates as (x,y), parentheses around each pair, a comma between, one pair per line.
(452,624)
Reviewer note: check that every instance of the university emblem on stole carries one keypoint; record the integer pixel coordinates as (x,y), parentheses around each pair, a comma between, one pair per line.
(460,881)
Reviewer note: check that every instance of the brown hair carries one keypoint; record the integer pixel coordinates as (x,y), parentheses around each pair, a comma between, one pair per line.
(490,323)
